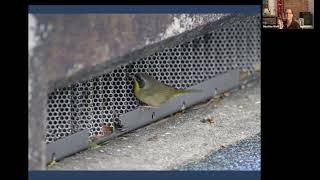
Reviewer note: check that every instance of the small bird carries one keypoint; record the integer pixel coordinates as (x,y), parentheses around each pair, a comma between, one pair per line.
(153,92)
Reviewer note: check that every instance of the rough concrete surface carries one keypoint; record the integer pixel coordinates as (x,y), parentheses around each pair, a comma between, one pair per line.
(177,140)
(243,156)
(37,99)
(76,41)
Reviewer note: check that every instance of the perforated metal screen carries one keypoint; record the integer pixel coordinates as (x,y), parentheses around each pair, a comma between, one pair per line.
(99,101)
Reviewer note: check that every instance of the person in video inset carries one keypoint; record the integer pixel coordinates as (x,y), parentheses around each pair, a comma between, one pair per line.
(290,23)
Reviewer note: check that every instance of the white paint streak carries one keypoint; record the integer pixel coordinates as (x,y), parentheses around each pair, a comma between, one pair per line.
(75,68)
(32,43)
(182,23)
(33,40)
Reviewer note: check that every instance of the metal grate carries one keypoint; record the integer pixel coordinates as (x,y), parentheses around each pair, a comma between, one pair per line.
(99,101)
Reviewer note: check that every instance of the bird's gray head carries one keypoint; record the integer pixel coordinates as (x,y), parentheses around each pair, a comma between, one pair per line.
(141,78)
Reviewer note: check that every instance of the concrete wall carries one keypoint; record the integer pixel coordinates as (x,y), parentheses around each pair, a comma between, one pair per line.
(37,96)
(76,41)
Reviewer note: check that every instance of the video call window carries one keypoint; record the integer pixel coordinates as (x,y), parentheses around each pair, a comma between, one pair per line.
(288,14)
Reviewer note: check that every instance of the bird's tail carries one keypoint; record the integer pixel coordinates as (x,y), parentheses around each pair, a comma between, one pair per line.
(184,91)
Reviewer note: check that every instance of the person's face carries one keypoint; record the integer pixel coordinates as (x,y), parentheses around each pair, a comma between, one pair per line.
(289,14)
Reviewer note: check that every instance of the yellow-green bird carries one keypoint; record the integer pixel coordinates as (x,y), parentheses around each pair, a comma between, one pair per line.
(153,92)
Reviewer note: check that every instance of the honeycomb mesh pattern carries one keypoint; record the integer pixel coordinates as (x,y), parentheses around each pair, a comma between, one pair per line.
(100,101)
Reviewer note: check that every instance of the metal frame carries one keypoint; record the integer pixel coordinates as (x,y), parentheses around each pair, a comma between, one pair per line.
(67,146)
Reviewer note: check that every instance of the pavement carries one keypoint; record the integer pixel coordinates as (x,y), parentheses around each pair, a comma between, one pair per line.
(221,134)
(242,156)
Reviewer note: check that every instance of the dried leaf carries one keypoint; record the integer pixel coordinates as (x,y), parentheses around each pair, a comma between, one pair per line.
(226,94)
(210,120)
(216,97)
(107,129)
(52,163)
(207,120)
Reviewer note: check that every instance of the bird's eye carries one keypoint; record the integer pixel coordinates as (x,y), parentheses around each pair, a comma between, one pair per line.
(140,80)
